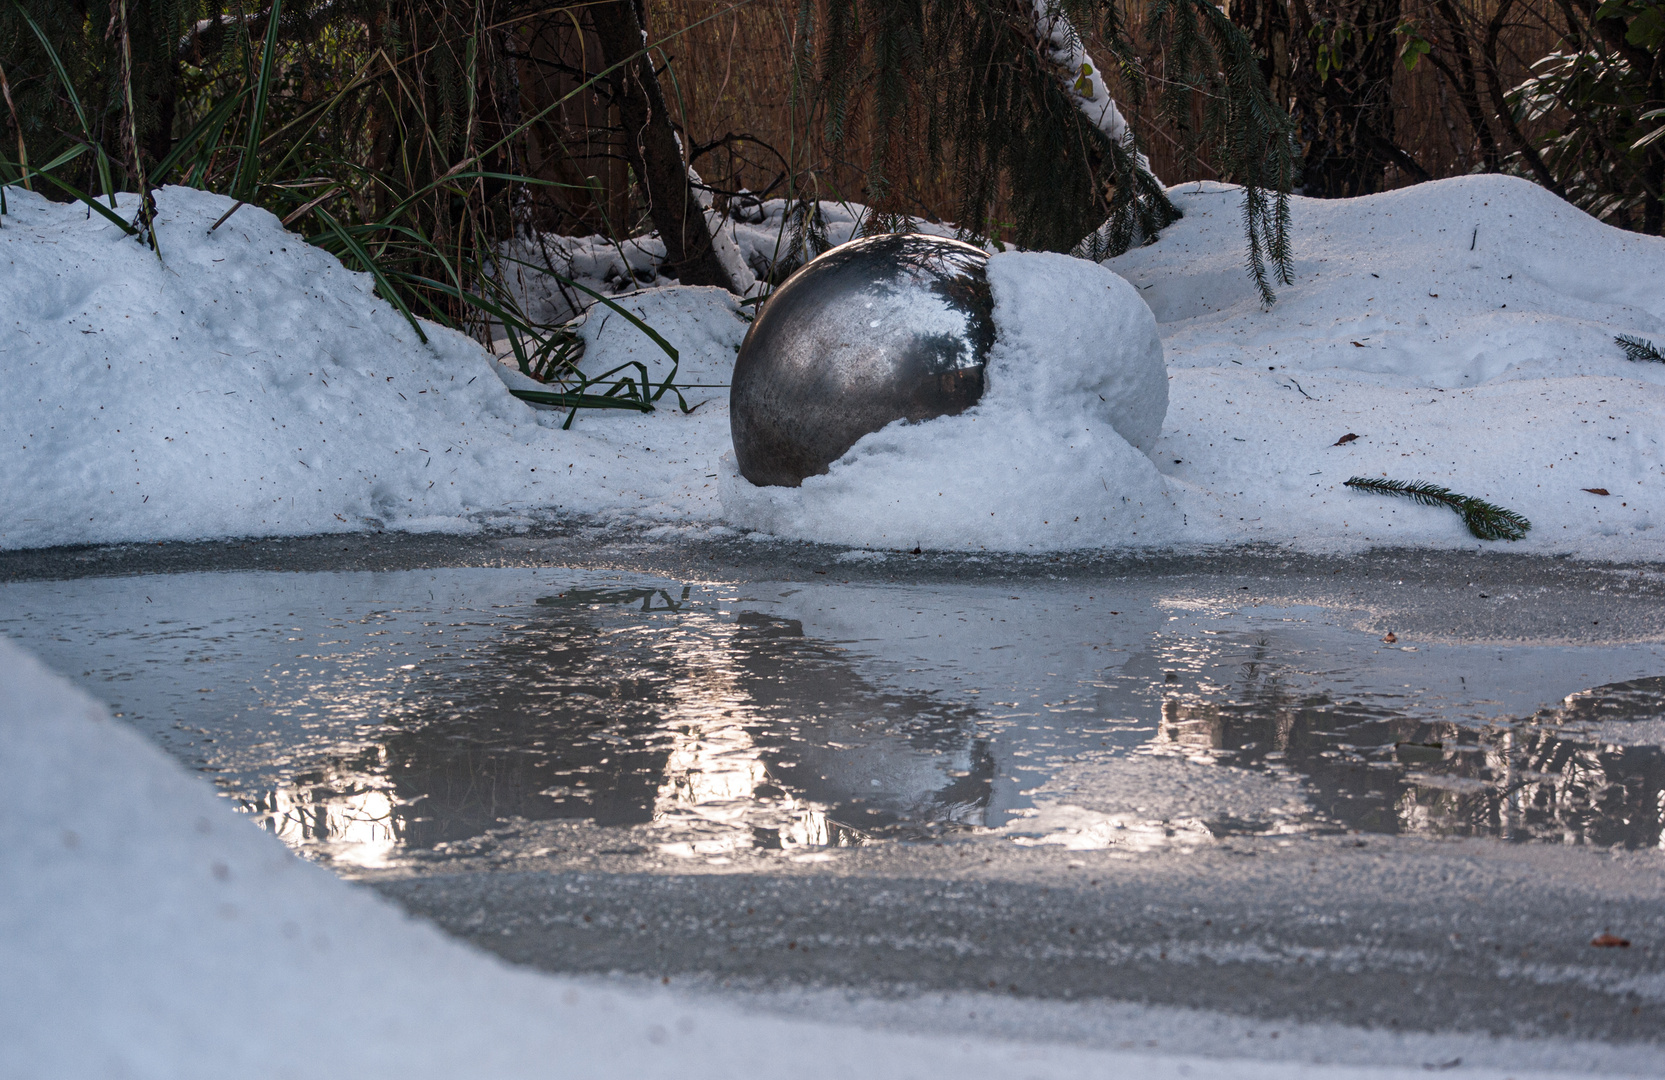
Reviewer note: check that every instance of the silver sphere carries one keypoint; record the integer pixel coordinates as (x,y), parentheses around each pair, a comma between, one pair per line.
(894,327)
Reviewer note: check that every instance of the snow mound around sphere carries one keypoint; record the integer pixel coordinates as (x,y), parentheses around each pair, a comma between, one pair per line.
(1072,335)
(1051,457)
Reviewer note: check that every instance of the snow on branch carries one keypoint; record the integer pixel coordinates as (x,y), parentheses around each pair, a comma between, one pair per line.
(1082,81)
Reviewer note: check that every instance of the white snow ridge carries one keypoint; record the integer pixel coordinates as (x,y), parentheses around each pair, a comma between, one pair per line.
(248,385)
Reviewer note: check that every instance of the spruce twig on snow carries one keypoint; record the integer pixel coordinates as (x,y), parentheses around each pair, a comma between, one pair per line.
(1639,349)
(1487,521)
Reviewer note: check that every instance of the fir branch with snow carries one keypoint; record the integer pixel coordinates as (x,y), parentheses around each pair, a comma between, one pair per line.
(1009,98)
(1253,137)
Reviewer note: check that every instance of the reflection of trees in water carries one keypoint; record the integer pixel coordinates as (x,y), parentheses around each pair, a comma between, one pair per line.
(832,733)
(672,718)
(554,720)
(1380,770)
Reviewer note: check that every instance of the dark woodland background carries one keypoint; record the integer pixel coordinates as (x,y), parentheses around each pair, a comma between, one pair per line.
(413,136)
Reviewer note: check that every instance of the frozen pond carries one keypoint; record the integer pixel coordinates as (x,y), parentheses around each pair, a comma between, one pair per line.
(413,718)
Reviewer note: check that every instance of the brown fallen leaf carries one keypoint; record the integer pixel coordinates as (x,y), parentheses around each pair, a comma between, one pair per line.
(1390,637)
(1598,491)
(1345,439)
(1360,345)
(1609,941)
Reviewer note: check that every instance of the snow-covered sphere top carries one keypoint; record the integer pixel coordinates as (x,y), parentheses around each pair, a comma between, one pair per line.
(903,327)
(887,328)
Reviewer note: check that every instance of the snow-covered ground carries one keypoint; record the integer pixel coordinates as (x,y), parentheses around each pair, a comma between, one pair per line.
(1461,330)
(247,384)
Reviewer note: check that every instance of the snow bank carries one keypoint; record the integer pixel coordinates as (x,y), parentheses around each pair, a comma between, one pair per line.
(1050,456)
(147,930)
(1461,329)
(248,385)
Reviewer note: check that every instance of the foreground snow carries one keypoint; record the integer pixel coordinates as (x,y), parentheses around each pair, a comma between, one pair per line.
(1462,330)
(147,930)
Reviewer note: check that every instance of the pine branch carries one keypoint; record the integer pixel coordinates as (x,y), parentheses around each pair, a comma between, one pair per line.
(1253,137)
(1486,521)
(1640,349)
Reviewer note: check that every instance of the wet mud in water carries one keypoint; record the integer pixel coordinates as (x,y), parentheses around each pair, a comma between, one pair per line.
(1174,788)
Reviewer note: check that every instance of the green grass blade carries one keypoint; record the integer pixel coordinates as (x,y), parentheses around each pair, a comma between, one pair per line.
(66,157)
(58,67)
(74,101)
(475,300)
(581,401)
(382,283)
(248,169)
(91,201)
(216,117)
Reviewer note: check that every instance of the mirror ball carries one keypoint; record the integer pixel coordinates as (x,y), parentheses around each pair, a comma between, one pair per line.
(886,328)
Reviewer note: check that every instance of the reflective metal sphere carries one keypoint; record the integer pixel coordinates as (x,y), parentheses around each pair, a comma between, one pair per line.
(894,327)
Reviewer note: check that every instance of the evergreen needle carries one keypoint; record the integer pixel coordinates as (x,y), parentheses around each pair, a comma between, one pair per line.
(1485,520)
(1639,349)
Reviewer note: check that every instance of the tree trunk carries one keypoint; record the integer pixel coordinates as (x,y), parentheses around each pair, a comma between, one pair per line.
(652,149)
(1344,119)
(1463,78)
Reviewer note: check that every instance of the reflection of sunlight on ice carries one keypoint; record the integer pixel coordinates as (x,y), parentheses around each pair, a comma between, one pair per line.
(710,775)
(1076,829)
(715,788)
(358,828)
(717,796)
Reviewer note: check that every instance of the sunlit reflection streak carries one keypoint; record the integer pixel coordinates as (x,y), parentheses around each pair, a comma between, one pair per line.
(360,827)
(718,796)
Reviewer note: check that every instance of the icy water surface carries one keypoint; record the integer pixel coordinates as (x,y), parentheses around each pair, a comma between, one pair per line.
(375,719)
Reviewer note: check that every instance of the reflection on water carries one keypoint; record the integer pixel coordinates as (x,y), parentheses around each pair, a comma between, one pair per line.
(629,707)
(1544,777)
(620,707)
(374,719)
